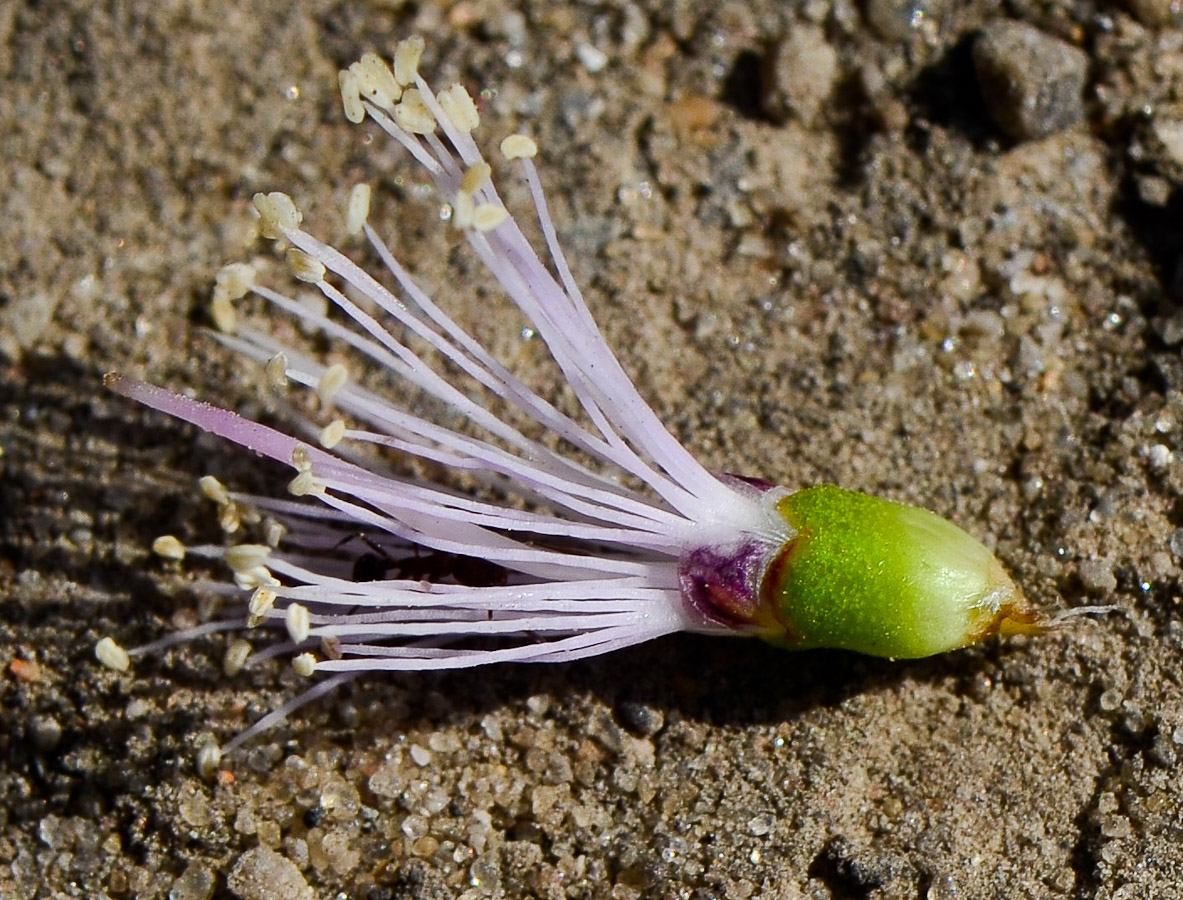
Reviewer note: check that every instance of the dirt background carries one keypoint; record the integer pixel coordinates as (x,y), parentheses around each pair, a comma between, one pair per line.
(880,289)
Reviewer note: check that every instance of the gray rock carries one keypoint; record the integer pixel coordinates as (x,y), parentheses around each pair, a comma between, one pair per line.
(1155,12)
(799,76)
(1031,82)
(263,874)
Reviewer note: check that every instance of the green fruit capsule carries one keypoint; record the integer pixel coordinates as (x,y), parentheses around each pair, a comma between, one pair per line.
(886,579)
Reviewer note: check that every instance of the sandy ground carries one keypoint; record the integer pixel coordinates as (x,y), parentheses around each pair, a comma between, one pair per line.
(878,289)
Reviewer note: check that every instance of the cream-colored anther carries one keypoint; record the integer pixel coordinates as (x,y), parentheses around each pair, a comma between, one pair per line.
(261,603)
(168,547)
(276,370)
(330,646)
(221,310)
(304,267)
(488,216)
(273,531)
(277,213)
(406,59)
(213,489)
(298,622)
(375,81)
(331,383)
(230,284)
(238,652)
(255,577)
(234,280)
(244,557)
(476,177)
(301,459)
(458,107)
(248,514)
(518,146)
(331,434)
(357,210)
(111,655)
(229,517)
(462,210)
(347,81)
(207,759)
(304,664)
(412,114)
(305,485)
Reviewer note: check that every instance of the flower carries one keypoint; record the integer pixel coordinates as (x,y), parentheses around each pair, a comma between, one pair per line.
(591,532)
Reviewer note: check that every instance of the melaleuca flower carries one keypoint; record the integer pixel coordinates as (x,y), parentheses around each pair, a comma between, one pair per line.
(588,533)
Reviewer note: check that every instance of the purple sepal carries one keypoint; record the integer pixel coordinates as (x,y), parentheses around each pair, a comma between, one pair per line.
(724,585)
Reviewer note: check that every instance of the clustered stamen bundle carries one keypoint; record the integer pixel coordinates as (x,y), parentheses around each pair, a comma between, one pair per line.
(561,557)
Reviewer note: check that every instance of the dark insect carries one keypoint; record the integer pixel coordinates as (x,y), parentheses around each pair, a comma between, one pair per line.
(434,566)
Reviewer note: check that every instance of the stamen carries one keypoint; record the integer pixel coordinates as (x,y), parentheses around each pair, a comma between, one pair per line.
(459,108)
(278,214)
(375,81)
(406,59)
(488,216)
(276,370)
(355,110)
(476,177)
(412,114)
(358,208)
(298,622)
(237,653)
(304,267)
(331,434)
(519,146)
(111,655)
(214,489)
(168,547)
(331,382)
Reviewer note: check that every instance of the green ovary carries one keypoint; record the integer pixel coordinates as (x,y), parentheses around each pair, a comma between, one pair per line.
(886,579)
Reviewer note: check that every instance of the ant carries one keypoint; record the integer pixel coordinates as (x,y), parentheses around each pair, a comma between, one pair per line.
(427,565)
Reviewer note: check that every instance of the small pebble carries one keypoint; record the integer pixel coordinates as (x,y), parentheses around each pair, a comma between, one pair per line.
(1031,82)
(898,20)
(799,76)
(195,883)
(1097,576)
(262,874)
(1156,12)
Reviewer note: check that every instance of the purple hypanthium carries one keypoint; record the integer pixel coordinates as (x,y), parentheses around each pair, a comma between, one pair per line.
(574,534)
